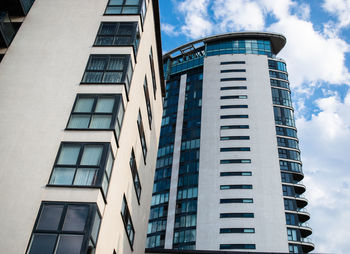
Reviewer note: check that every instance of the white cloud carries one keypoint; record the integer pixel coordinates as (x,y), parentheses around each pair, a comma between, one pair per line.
(312,56)
(339,8)
(170,29)
(197,21)
(324,143)
(235,15)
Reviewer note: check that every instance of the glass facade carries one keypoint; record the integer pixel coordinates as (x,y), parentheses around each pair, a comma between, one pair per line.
(284,117)
(186,203)
(258,47)
(161,187)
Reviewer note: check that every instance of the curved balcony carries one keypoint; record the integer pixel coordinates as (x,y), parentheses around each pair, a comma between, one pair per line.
(301,201)
(304,228)
(305,243)
(297,176)
(303,214)
(299,188)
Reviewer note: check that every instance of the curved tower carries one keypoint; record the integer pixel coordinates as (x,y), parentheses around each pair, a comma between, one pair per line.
(229,170)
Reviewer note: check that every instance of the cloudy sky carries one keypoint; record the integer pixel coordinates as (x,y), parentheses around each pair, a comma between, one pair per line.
(318,58)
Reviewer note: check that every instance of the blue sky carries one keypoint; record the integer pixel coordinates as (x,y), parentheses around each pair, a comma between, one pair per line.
(318,57)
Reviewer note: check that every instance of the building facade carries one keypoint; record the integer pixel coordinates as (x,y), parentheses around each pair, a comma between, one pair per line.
(81,105)
(228,170)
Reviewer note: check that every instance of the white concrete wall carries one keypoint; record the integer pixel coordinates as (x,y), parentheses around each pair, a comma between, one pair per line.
(39,80)
(269,221)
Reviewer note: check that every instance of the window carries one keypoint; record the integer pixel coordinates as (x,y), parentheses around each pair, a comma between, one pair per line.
(97,111)
(286,142)
(290,204)
(83,164)
(279,83)
(235,200)
(281,97)
(294,248)
(290,166)
(187,193)
(142,136)
(232,62)
(234,149)
(288,191)
(293,234)
(280,75)
(228,127)
(135,175)
(236,230)
(277,65)
(236,215)
(283,131)
(236,186)
(233,116)
(63,228)
(292,219)
(235,138)
(185,221)
(151,60)
(233,106)
(232,70)
(288,154)
(108,69)
(233,88)
(233,97)
(115,7)
(160,198)
(126,217)
(185,236)
(148,102)
(237,246)
(287,178)
(247,173)
(235,161)
(284,116)
(232,79)
(118,34)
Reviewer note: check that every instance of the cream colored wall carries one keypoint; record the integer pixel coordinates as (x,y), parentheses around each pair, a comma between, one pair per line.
(39,80)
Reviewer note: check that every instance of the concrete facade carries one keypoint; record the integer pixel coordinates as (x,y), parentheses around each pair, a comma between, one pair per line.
(268,221)
(40,77)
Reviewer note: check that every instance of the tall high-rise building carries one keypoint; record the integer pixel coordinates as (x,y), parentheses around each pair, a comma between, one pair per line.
(81,106)
(228,170)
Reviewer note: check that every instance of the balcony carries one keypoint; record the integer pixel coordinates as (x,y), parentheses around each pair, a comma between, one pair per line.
(7,30)
(301,200)
(304,228)
(305,243)
(16,7)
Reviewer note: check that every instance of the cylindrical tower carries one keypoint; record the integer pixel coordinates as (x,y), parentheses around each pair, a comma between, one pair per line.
(228,171)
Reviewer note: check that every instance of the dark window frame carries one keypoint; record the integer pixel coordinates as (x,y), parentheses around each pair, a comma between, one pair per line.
(232,70)
(232,62)
(236,215)
(115,123)
(236,230)
(236,186)
(126,218)
(93,211)
(107,149)
(135,36)
(233,79)
(135,176)
(236,173)
(125,79)
(233,88)
(229,127)
(148,102)
(154,81)
(142,9)
(142,136)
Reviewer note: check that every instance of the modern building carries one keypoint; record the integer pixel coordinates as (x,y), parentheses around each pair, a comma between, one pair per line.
(81,88)
(228,170)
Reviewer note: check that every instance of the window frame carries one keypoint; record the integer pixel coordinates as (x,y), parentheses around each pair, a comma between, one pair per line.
(125,80)
(135,36)
(118,105)
(107,149)
(135,175)
(142,10)
(126,216)
(93,211)
(148,102)
(142,136)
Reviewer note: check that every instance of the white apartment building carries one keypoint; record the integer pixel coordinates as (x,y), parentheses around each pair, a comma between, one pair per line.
(81,88)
